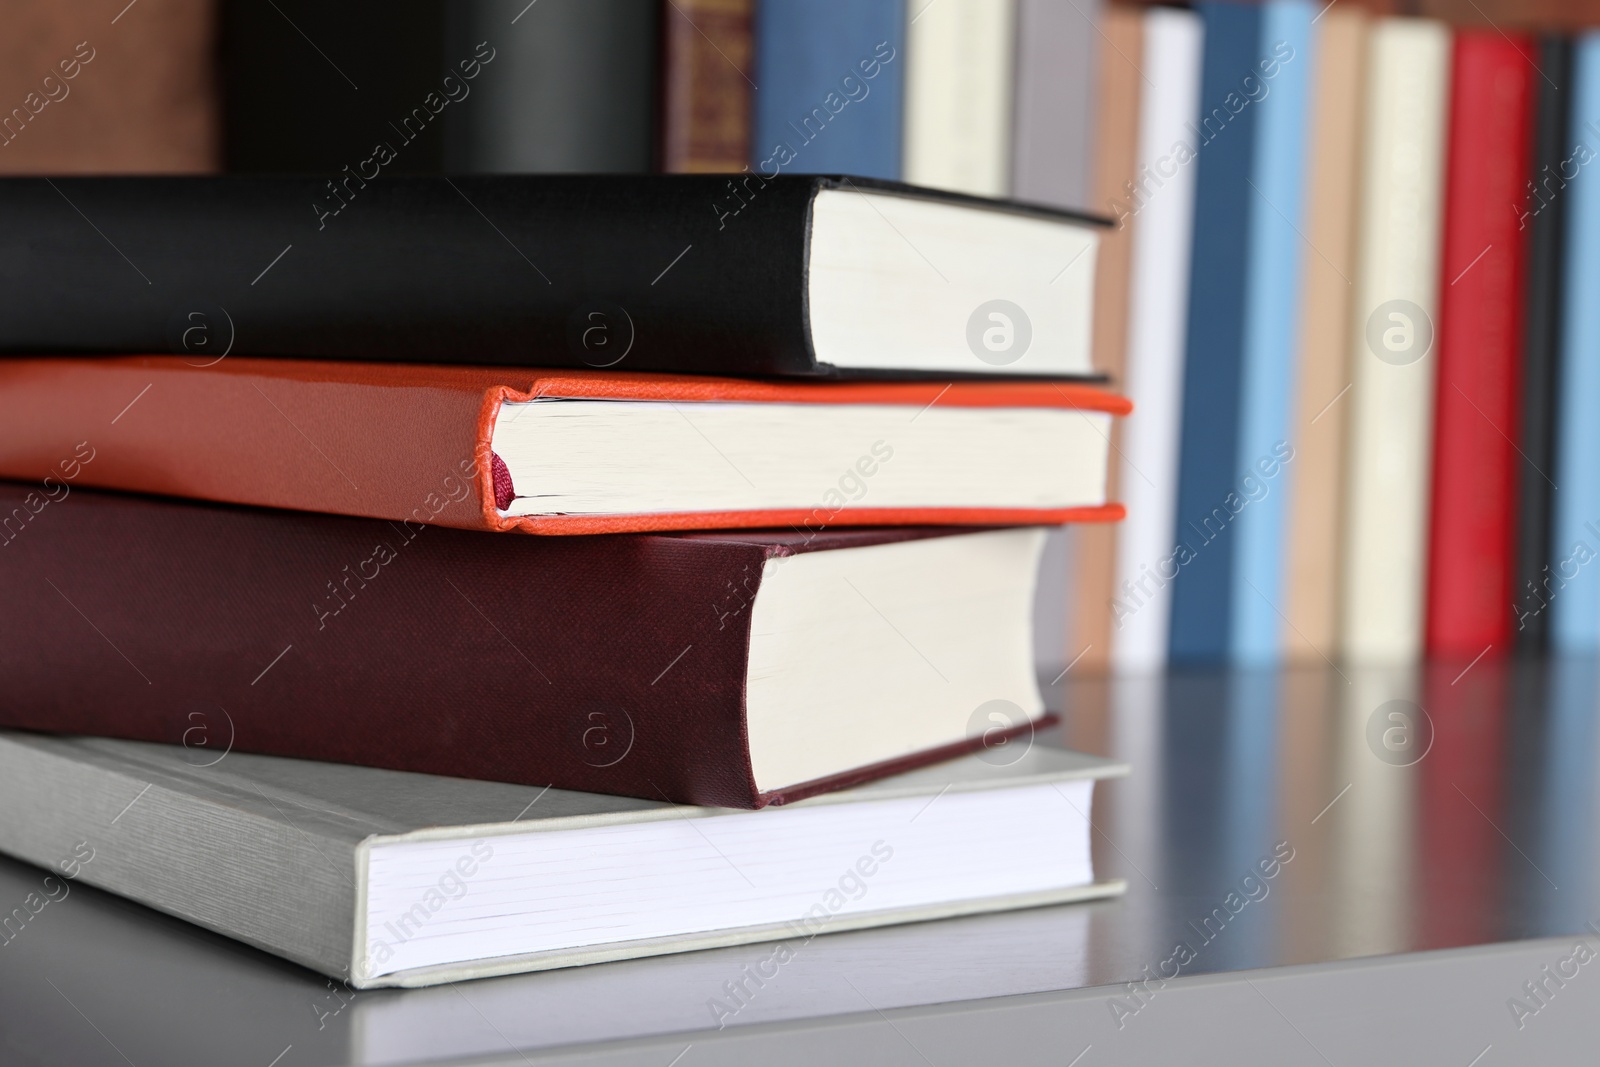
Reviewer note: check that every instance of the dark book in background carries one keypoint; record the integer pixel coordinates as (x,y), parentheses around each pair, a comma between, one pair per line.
(1474,514)
(625,665)
(1054,114)
(1209,468)
(706,61)
(1542,350)
(625,272)
(572,89)
(312,87)
(832,78)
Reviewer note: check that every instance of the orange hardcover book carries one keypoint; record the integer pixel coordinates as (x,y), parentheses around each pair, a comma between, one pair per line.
(568,452)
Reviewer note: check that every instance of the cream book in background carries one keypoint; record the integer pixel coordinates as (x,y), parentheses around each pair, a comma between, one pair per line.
(1390,432)
(959,62)
(1328,263)
(1161,202)
(385,878)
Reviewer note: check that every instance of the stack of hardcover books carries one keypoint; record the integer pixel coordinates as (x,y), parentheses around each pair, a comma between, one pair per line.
(505,573)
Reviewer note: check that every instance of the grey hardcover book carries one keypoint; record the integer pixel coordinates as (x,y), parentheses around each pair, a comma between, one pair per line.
(384,878)
(1053,120)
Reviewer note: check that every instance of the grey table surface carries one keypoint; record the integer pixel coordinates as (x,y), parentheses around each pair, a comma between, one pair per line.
(1431,845)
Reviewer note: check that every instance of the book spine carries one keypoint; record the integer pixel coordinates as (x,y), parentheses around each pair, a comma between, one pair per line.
(1159,198)
(700,274)
(1092,587)
(574,89)
(959,84)
(832,76)
(1310,603)
(365,79)
(1575,518)
(1391,359)
(706,63)
(243,432)
(142,85)
(1263,467)
(1535,583)
(1475,463)
(605,664)
(1060,86)
(1210,495)
(284,884)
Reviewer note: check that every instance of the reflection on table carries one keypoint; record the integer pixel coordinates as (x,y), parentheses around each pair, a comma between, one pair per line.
(1274,817)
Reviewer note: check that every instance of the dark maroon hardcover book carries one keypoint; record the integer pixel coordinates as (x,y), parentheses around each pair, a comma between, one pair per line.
(724,669)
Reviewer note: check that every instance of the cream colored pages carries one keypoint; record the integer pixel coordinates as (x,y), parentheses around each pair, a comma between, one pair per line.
(1391,330)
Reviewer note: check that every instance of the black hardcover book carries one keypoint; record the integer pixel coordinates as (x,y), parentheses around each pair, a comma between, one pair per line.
(1541,350)
(792,275)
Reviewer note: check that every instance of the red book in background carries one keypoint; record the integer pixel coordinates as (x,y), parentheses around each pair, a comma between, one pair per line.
(1479,347)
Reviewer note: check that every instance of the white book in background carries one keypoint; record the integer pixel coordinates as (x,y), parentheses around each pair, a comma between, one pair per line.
(959,61)
(1390,432)
(384,878)
(1162,196)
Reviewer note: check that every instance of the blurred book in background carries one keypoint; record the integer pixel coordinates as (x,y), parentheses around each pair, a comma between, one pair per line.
(706,53)
(104,86)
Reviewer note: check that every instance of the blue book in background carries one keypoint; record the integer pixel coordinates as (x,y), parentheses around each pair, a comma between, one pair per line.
(1284,68)
(1210,496)
(1575,509)
(830,77)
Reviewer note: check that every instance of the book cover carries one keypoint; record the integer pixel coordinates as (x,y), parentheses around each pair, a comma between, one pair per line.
(1311,598)
(1574,601)
(1209,494)
(1115,161)
(832,87)
(373,877)
(706,62)
(1160,199)
(432,445)
(1476,469)
(959,84)
(1552,158)
(1396,285)
(690,273)
(629,665)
